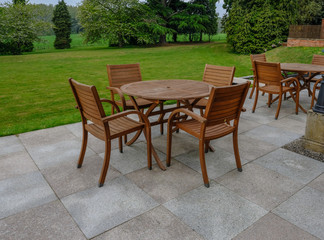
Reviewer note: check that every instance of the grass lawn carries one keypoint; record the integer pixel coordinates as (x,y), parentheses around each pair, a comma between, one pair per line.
(34,88)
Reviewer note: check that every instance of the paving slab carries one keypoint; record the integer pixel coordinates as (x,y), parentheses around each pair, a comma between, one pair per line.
(305,210)
(10,144)
(94,143)
(318,183)
(218,163)
(272,135)
(52,154)
(165,185)
(260,185)
(181,143)
(15,164)
(295,166)
(49,221)
(289,124)
(273,227)
(157,224)
(249,148)
(66,178)
(97,210)
(132,158)
(246,125)
(24,192)
(262,115)
(215,212)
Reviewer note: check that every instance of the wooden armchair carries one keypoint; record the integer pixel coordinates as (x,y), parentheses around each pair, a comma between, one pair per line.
(224,105)
(256,57)
(218,76)
(270,75)
(119,75)
(105,127)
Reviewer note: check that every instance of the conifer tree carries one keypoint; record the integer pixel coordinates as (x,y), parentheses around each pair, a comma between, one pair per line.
(62,26)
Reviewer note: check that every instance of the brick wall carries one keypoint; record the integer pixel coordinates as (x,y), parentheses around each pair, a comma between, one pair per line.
(298,42)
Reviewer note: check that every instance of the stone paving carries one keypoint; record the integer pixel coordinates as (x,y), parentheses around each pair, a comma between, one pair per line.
(279,194)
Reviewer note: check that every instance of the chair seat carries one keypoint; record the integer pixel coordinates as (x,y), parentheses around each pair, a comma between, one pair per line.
(141,102)
(212,132)
(275,89)
(118,127)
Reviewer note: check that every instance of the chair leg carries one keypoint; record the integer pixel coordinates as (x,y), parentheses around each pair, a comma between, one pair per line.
(255,100)
(161,125)
(297,102)
(120,143)
(236,151)
(105,163)
(83,148)
(269,100)
(147,134)
(169,145)
(252,91)
(279,105)
(201,112)
(203,163)
(125,139)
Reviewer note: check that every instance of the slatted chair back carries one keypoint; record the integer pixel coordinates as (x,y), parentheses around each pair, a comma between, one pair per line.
(268,73)
(88,102)
(218,75)
(318,59)
(225,103)
(122,74)
(257,57)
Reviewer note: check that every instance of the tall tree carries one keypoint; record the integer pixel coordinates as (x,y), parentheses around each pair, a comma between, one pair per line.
(62,26)
(118,21)
(19,26)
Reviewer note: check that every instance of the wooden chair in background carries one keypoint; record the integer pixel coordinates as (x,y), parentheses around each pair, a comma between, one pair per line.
(105,127)
(270,75)
(317,60)
(218,76)
(224,105)
(256,57)
(119,75)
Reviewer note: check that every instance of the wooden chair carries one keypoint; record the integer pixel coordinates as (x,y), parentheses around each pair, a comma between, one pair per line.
(119,75)
(317,86)
(224,105)
(105,127)
(256,57)
(317,60)
(270,75)
(218,76)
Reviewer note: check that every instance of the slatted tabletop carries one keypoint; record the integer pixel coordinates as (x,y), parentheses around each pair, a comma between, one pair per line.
(301,67)
(173,89)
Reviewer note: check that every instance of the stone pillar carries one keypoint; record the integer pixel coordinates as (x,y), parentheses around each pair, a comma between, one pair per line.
(314,132)
(322,29)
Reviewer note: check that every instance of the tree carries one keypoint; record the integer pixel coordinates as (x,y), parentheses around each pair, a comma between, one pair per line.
(118,21)
(255,26)
(62,26)
(19,26)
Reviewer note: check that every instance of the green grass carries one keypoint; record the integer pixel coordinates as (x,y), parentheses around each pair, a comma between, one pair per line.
(34,90)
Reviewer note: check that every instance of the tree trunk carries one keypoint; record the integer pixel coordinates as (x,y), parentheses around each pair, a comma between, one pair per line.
(175,35)
(201,35)
(120,40)
(190,37)
(163,39)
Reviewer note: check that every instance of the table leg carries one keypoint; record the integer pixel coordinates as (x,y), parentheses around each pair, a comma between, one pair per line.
(149,110)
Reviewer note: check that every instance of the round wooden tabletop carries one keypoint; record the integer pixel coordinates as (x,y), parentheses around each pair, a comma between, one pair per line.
(301,67)
(173,89)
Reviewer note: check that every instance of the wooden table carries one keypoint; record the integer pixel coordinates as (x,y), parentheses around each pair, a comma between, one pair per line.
(161,90)
(301,69)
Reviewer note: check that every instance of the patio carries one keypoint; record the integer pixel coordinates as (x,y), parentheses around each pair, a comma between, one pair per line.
(279,194)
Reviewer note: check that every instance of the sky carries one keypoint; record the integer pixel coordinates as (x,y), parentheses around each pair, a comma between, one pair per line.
(219,8)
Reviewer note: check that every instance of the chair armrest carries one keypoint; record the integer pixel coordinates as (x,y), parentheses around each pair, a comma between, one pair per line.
(243,109)
(189,113)
(115,90)
(111,102)
(291,79)
(125,113)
